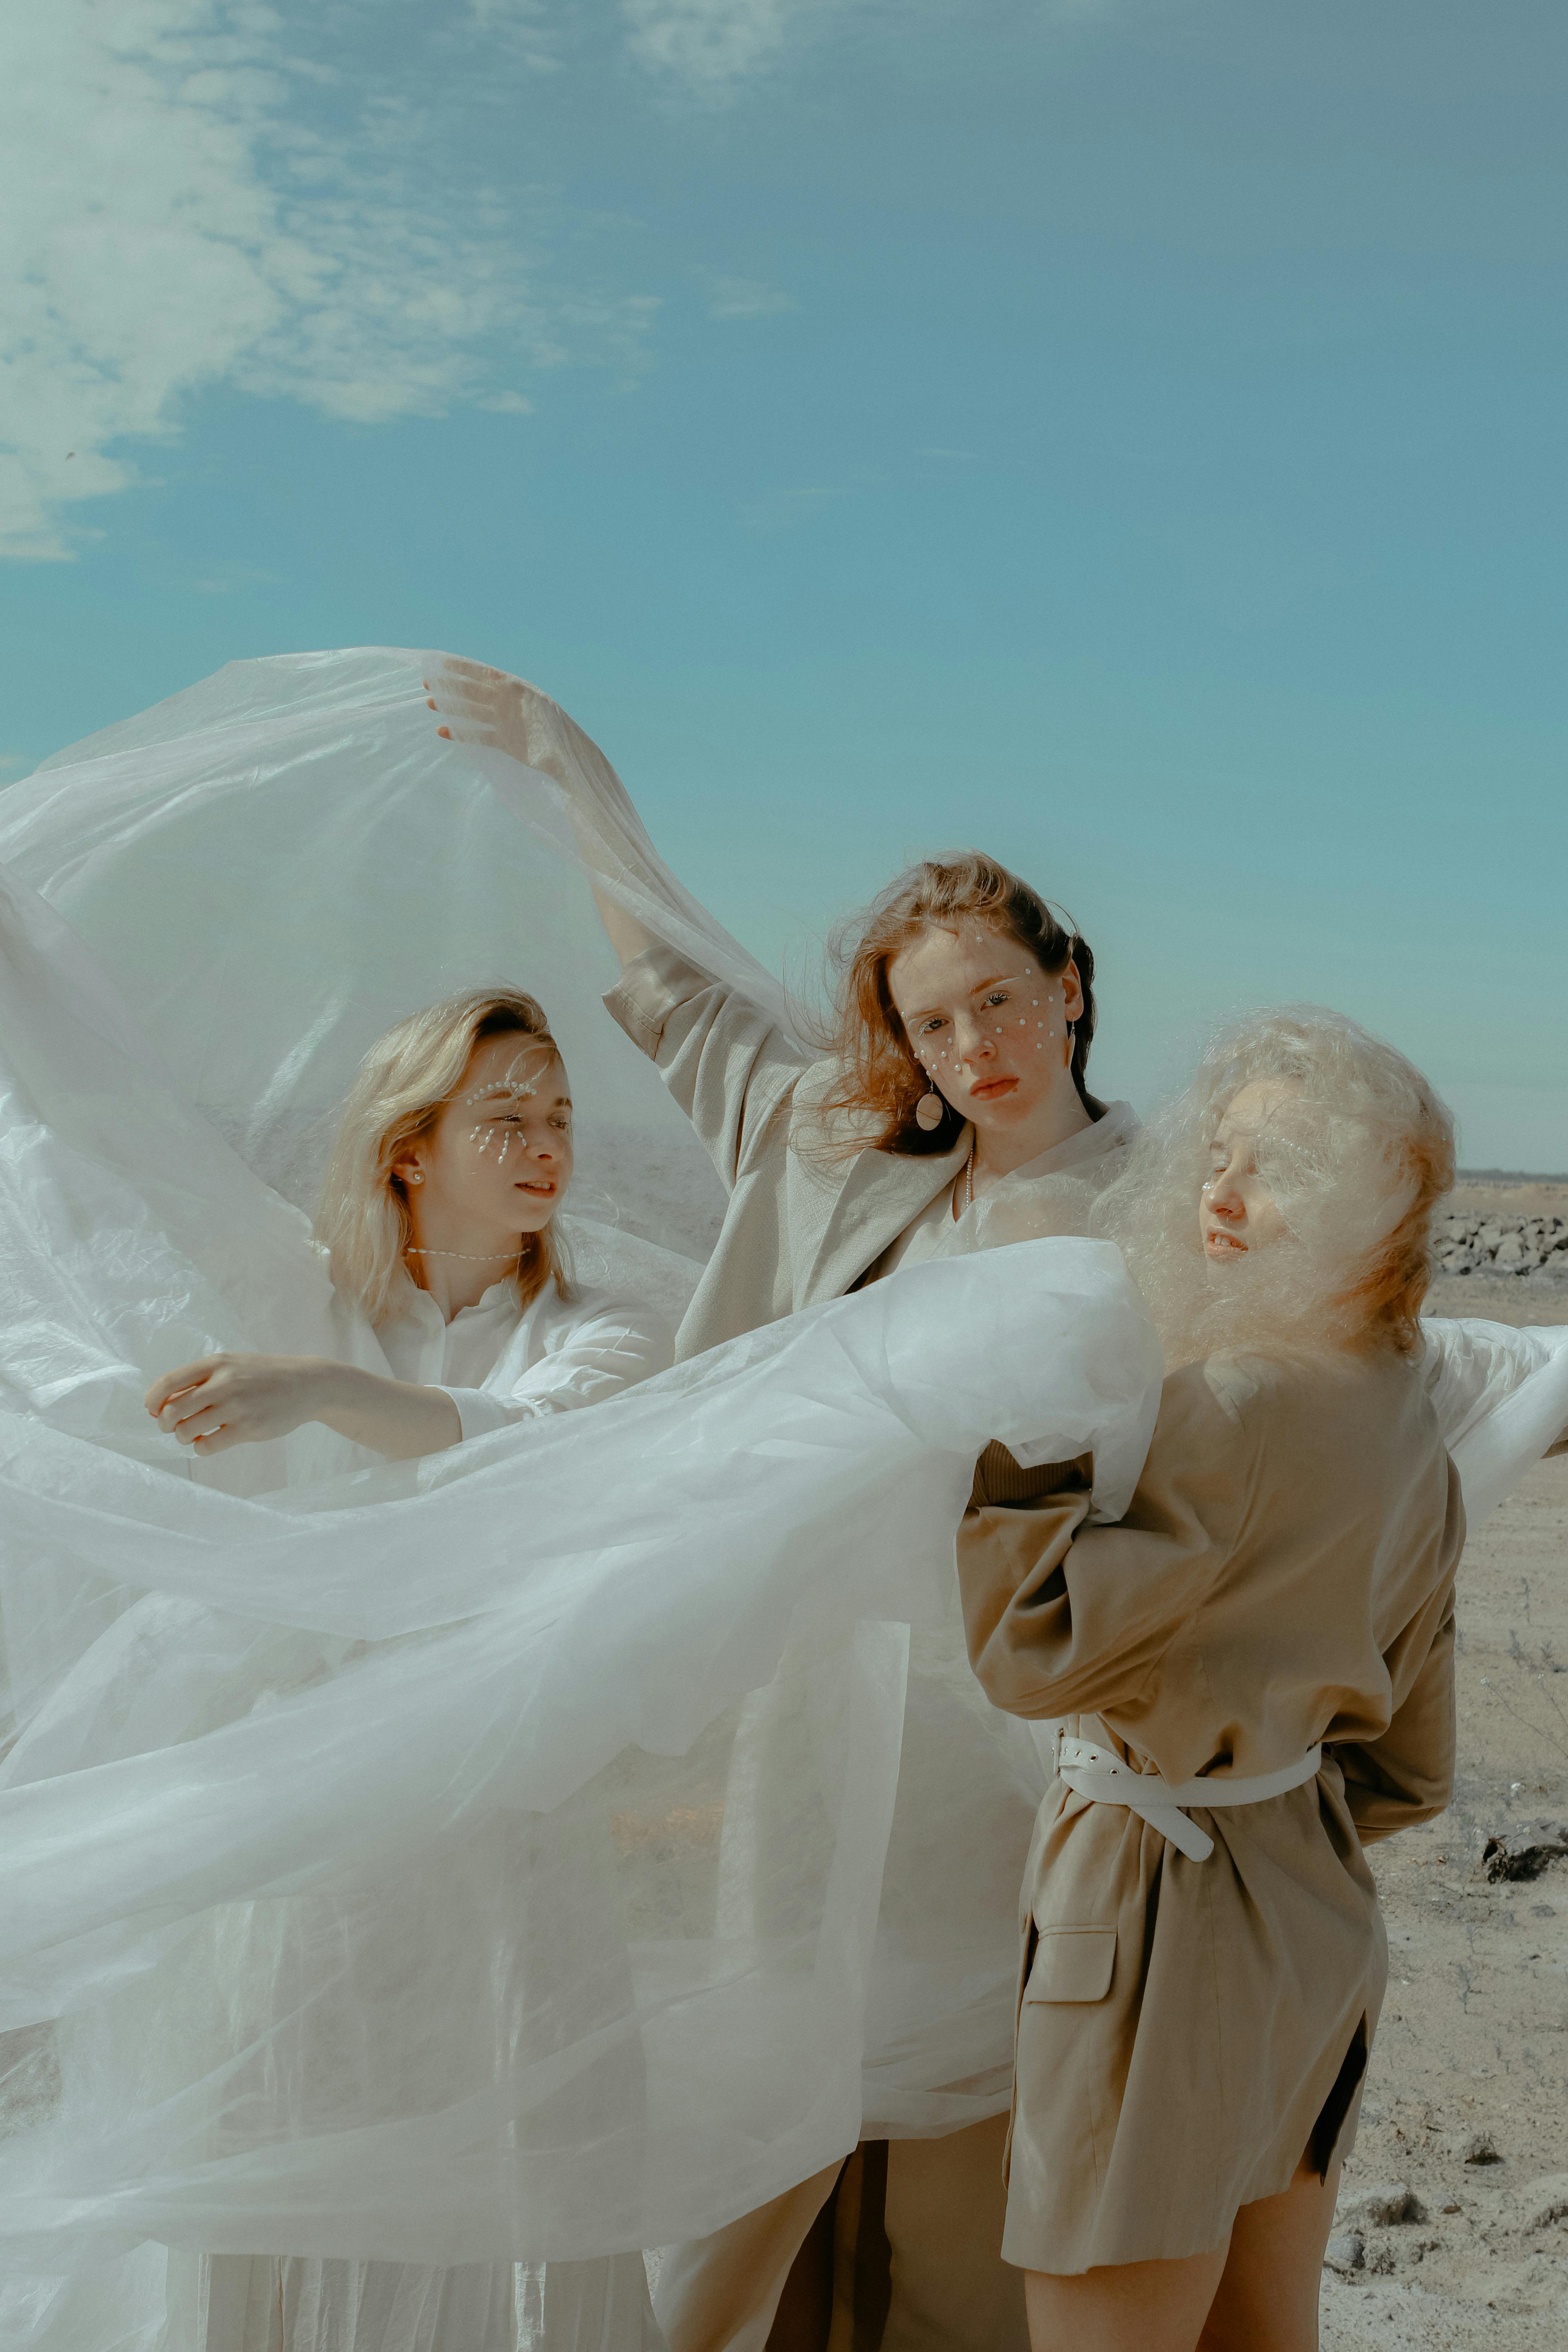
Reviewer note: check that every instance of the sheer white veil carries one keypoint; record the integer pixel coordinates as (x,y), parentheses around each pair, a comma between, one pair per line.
(382,1859)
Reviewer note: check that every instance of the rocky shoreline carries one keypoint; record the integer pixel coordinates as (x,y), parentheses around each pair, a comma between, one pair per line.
(1485,1241)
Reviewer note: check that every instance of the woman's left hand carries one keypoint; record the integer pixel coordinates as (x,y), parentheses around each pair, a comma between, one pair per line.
(223,1401)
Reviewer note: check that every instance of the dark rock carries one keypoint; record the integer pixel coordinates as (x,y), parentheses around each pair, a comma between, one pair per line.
(1384,2207)
(1524,1852)
(1549,2201)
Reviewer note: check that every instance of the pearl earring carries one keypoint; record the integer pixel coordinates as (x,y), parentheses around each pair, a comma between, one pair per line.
(416,1175)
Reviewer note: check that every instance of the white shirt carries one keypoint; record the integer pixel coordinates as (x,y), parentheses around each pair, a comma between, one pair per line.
(500,1364)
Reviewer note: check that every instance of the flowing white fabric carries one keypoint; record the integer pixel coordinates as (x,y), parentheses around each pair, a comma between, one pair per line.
(1502,1395)
(478,1858)
(381,1857)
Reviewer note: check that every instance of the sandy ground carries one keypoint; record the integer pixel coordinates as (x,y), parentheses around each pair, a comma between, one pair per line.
(1474,2037)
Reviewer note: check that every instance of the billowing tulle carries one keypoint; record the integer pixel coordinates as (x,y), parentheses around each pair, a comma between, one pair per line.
(568,1842)
(472,1860)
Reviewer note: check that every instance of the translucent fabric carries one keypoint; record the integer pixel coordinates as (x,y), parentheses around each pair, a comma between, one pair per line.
(395,1870)
(1502,1396)
(545,1849)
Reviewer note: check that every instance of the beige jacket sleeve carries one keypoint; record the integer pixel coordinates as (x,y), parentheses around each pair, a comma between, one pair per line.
(1406,1776)
(731,1069)
(1064,1619)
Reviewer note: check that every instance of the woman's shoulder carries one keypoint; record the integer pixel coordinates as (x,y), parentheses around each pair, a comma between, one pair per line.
(591,1303)
(825,1129)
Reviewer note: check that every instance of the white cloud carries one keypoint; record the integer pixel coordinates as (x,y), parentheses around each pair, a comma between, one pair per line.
(711,44)
(174,222)
(744,297)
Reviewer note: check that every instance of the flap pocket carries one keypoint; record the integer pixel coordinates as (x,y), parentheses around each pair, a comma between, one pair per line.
(1072,1964)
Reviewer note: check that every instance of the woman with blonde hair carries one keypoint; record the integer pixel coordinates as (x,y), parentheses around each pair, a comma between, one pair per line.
(438,1210)
(1252,1679)
(438,1213)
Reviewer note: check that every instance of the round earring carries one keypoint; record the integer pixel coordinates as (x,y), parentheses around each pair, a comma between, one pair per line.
(416,1175)
(929,1111)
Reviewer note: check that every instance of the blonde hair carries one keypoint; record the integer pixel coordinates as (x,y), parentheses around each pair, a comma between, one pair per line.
(1357,1150)
(399,1092)
(881,1081)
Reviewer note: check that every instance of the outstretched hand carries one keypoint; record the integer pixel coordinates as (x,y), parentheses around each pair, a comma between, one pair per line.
(486,705)
(223,1400)
(489,706)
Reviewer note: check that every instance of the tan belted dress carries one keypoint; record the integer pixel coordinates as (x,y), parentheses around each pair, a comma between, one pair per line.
(1188,2029)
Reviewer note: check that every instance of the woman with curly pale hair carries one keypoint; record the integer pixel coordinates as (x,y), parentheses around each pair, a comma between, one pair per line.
(1252,1679)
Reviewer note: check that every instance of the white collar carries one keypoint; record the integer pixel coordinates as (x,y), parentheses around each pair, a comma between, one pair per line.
(412,1300)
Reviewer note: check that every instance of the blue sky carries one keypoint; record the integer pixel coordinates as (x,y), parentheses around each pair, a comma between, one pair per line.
(1126,435)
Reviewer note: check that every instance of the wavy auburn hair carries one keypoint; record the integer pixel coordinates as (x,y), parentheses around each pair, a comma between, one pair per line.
(881,1081)
(401,1087)
(1357,1150)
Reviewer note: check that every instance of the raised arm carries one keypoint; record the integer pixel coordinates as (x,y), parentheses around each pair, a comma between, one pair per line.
(723,1055)
(489,706)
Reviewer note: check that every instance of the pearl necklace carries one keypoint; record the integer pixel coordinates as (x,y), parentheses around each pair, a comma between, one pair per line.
(470,1257)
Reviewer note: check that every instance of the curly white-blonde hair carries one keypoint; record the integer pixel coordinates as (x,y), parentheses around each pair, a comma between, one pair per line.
(399,1092)
(1356,1147)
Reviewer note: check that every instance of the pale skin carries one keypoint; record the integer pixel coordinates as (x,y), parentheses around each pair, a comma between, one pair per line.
(479,705)
(989,1028)
(1236,1211)
(492,1168)
(1258,2291)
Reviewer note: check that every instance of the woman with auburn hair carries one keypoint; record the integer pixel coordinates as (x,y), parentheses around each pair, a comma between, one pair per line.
(438,1213)
(946,1107)
(1254,1667)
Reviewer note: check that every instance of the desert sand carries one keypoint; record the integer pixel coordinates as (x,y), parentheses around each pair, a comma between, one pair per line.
(1472,2051)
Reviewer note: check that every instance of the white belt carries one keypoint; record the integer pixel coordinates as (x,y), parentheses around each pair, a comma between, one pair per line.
(1106,1778)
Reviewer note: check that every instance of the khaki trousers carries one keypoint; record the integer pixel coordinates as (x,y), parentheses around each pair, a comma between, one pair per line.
(945,2287)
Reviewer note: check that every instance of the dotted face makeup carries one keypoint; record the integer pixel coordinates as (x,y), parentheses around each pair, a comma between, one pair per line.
(499,1129)
(997,1019)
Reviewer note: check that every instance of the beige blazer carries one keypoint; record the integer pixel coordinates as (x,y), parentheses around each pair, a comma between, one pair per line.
(809,1212)
(1284,1576)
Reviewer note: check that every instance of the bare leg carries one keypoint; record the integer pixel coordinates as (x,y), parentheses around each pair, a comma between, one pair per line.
(1267,2298)
(1126,2306)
